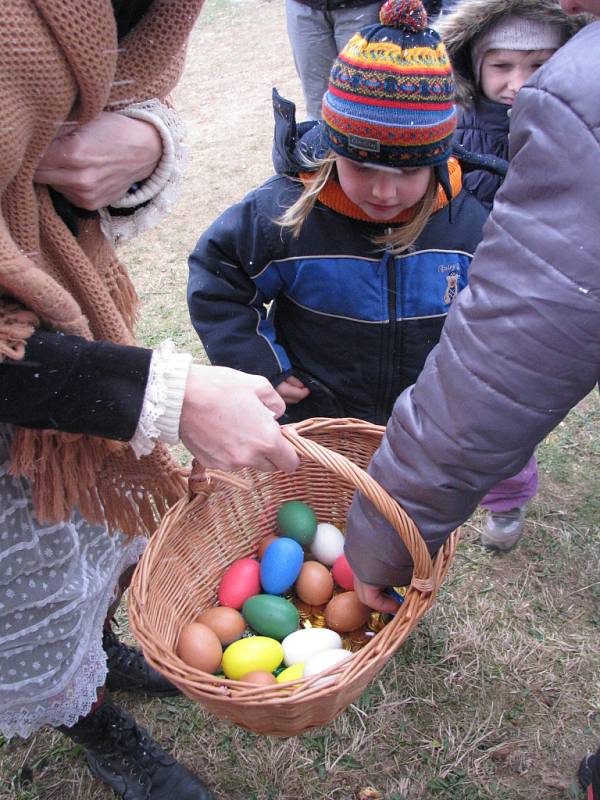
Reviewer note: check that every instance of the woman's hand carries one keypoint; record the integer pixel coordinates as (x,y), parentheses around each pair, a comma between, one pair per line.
(292,390)
(375,597)
(95,164)
(228,421)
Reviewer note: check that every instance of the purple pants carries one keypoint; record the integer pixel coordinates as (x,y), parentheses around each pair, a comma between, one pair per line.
(513,492)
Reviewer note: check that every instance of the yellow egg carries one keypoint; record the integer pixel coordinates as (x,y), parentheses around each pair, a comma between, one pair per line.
(291,673)
(199,646)
(226,622)
(251,654)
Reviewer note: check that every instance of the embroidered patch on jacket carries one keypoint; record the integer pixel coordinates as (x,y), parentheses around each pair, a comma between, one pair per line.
(451,288)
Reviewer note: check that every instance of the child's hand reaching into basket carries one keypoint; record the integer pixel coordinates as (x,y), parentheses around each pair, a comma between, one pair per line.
(375,597)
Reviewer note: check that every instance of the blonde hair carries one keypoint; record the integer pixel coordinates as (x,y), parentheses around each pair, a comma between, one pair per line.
(400,239)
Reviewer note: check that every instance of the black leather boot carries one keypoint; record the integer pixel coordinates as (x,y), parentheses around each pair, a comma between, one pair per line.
(124,756)
(589,775)
(128,670)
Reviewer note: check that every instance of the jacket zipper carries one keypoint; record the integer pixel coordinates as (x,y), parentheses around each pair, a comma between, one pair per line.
(389,263)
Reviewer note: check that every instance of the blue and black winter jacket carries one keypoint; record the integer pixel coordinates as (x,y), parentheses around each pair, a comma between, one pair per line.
(353,322)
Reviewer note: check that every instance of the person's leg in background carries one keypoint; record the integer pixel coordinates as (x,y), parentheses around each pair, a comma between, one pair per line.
(506,503)
(347,21)
(310,32)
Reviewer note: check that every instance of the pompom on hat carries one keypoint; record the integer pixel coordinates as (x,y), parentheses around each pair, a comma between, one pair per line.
(390,99)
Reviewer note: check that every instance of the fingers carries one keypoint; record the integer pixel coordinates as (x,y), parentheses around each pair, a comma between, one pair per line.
(269,397)
(294,381)
(374,597)
(291,394)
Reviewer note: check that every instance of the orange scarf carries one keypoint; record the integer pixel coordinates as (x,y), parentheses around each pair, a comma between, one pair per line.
(332,195)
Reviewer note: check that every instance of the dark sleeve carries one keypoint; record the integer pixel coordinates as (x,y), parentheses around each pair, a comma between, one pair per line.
(74,385)
(520,347)
(232,279)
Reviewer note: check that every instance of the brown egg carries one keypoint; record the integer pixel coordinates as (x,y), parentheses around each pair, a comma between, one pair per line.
(265,543)
(259,677)
(199,646)
(346,612)
(314,584)
(226,622)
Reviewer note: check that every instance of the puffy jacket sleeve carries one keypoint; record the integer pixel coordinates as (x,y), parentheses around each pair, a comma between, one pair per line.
(227,309)
(521,345)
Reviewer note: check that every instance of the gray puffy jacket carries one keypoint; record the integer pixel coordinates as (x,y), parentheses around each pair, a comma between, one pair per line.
(521,346)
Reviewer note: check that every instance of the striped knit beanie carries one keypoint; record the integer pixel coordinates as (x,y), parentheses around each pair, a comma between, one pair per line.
(390,99)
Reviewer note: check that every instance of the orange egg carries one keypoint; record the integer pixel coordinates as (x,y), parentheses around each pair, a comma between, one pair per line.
(346,612)
(314,585)
(226,622)
(199,646)
(259,678)
(265,543)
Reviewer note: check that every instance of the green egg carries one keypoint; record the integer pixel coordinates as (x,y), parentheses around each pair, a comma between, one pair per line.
(297,521)
(271,615)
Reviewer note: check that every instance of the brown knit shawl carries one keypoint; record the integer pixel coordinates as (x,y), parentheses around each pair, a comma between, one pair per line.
(60,60)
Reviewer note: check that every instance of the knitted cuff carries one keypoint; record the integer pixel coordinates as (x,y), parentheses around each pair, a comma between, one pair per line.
(151,111)
(163,399)
(155,196)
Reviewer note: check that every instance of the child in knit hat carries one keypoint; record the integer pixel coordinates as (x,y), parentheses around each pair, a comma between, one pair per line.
(495,46)
(334,278)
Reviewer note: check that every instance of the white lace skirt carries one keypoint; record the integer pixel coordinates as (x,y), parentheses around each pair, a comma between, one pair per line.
(56,585)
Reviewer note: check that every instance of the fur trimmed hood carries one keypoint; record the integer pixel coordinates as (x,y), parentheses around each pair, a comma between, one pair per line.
(472,17)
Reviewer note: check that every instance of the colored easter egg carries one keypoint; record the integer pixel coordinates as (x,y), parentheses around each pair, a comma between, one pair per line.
(252,654)
(271,615)
(281,565)
(322,661)
(342,573)
(297,521)
(226,622)
(345,612)
(299,646)
(259,678)
(239,582)
(264,544)
(291,673)
(199,646)
(315,584)
(328,544)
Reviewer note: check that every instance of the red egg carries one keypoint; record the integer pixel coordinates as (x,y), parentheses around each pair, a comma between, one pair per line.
(239,582)
(342,573)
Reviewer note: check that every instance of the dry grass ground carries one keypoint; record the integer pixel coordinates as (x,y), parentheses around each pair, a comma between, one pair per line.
(496,695)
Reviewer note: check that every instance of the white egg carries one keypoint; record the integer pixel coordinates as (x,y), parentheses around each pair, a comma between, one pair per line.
(301,645)
(328,544)
(322,661)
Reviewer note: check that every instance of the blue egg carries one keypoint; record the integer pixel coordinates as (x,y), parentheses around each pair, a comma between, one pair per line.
(281,565)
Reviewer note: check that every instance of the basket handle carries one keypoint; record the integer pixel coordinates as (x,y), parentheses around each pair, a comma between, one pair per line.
(338,464)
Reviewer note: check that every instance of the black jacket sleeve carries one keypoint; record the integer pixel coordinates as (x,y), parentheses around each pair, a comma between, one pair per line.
(74,385)
(228,293)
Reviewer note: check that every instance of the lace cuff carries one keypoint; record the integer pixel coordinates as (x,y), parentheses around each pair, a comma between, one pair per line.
(159,191)
(163,398)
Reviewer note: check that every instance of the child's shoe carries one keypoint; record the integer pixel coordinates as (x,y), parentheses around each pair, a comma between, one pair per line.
(503,529)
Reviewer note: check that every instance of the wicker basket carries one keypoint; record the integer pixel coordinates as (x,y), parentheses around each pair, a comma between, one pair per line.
(224,519)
